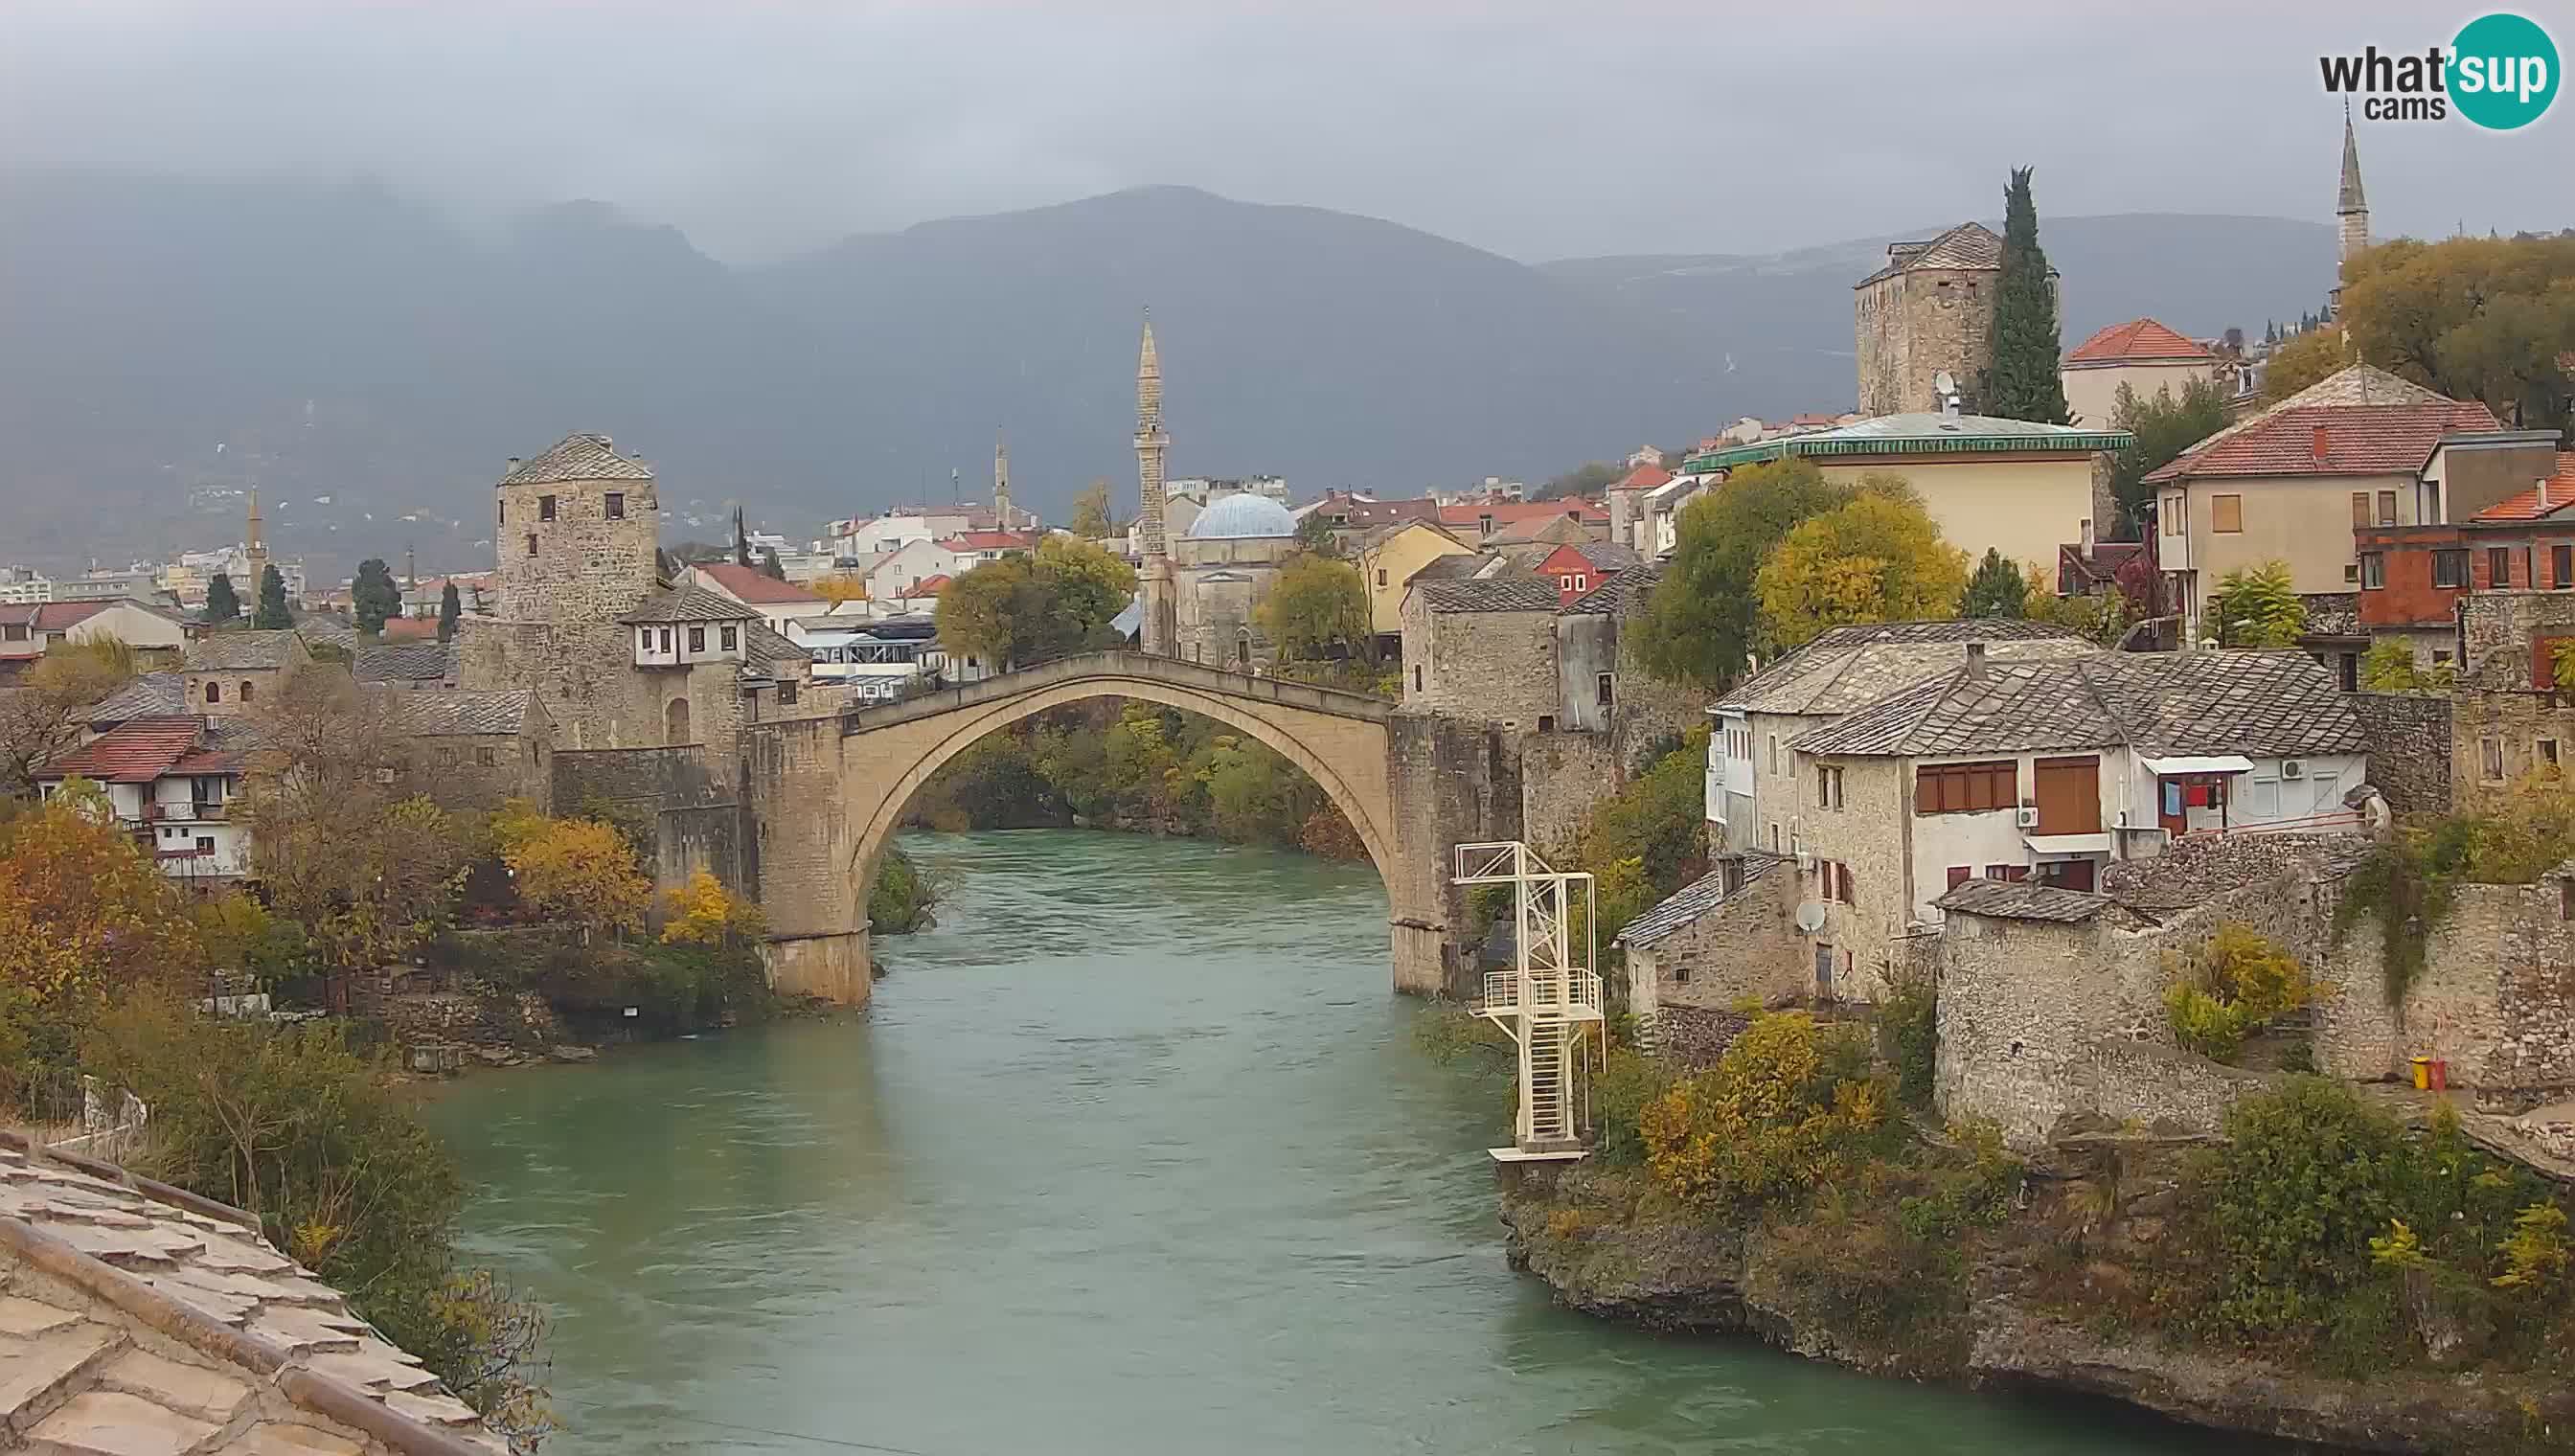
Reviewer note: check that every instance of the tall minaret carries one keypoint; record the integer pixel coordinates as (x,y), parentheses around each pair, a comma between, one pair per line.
(1160,631)
(254,551)
(2352,207)
(1001,485)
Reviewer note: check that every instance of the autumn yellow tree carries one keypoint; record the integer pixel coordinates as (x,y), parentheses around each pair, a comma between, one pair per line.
(2301,360)
(581,870)
(1878,558)
(841,586)
(704,912)
(42,714)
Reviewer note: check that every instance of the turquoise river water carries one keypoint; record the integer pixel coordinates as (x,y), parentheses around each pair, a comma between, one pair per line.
(1135,1155)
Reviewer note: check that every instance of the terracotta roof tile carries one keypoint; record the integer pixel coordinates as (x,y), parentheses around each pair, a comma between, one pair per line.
(1643,478)
(60,616)
(1512,512)
(2135,342)
(137,751)
(2539,500)
(994,541)
(2332,440)
(750,583)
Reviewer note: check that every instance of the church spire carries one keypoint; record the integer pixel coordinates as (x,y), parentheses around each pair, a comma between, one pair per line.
(2352,205)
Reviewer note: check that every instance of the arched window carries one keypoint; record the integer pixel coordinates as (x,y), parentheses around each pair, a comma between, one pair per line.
(245,689)
(214,693)
(675,722)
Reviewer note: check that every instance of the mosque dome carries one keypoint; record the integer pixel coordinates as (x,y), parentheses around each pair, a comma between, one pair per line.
(1242,517)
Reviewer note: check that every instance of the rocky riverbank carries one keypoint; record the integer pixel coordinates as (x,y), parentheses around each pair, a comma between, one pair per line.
(2044,1298)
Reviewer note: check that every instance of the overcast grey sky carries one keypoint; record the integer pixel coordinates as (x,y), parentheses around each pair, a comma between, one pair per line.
(1537,131)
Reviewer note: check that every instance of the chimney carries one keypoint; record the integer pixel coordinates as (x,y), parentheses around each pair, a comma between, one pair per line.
(2543,493)
(2323,443)
(2087,537)
(1975,662)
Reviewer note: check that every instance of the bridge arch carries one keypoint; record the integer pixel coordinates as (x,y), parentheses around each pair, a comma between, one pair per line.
(826,795)
(1356,786)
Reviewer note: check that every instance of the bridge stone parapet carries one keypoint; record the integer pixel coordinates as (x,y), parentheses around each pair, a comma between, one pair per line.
(826,795)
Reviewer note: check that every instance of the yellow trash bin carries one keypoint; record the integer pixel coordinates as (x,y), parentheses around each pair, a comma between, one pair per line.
(2422,1073)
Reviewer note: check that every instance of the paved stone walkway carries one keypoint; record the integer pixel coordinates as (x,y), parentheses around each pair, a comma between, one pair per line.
(136,1322)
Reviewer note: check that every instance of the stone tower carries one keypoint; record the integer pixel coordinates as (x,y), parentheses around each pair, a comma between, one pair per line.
(2352,206)
(1002,519)
(1159,632)
(576,530)
(1929,312)
(254,555)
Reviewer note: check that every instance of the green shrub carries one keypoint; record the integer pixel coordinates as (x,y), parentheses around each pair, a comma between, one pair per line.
(1787,1109)
(1908,1035)
(900,901)
(1629,1081)
(2202,1022)
(2233,985)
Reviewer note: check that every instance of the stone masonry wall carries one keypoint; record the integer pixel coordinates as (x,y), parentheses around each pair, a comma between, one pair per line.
(1649,710)
(1496,666)
(2409,749)
(481,771)
(2495,1000)
(2496,630)
(1563,774)
(1914,325)
(1746,950)
(2519,726)
(684,792)
(1452,783)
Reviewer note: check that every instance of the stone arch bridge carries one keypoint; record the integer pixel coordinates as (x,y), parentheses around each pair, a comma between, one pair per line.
(825,794)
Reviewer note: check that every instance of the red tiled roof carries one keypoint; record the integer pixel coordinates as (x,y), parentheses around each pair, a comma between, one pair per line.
(931,586)
(2355,440)
(1645,478)
(61,615)
(2529,504)
(409,629)
(137,751)
(990,540)
(751,585)
(1511,513)
(2136,340)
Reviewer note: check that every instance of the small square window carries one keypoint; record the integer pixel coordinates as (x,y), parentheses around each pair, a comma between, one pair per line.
(1604,690)
(1546,723)
(532,543)
(205,844)
(697,638)
(487,756)
(731,637)
(2373,571)
(617,505)
(545,508)
(2450,568)
(787,688)
(2226,514)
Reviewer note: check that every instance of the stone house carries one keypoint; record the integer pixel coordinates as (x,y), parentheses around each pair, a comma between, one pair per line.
(474,750)
(1223,568)
(1752,788)
(2021,487)
(2359,450)
(1929,312)
(1483,647)
(2140,354)
(225,674)
(1725,937)
(1578,568)
(410,664)
(2052,769)
(1389,557)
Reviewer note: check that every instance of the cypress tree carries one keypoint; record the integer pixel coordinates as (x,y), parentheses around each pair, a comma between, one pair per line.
(374,595)
(741,540)
(272,614)
(1996,590)
(2027,350)
(449,609)
(222,602)
(769,568)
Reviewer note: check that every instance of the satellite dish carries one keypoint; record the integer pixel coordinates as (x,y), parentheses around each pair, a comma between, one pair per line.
(1945,383)
(1811,917)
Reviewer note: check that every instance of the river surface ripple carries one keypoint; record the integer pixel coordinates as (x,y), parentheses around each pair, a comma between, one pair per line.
(1135,1154)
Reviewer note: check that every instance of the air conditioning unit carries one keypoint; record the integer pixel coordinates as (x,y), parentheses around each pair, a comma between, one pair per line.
(2026,817)
(2293,767)
(1805,861)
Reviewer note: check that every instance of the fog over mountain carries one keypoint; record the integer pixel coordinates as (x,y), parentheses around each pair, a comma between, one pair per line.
(170,342)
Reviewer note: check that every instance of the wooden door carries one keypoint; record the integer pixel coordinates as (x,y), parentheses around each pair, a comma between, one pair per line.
(2069,796)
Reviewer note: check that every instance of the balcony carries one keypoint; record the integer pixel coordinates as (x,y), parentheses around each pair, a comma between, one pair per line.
(194,811)
(1571,994)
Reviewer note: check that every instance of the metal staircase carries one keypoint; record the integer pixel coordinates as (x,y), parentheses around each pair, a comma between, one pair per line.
(1549,1001)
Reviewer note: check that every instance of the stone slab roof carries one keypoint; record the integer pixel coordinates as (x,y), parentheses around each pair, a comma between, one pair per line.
(1622,594)
(578,458)
(2262,705)
(2023,900)
(410,662)
(1693,900)
(453,712)
(1968,245)
(688,603)
(1489,594)
(138,1319)
(150,695)
(1850,667)
(240,651)
(766,649)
